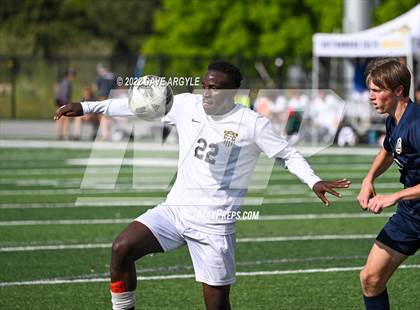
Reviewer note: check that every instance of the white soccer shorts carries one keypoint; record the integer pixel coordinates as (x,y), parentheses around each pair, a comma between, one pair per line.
(213,256)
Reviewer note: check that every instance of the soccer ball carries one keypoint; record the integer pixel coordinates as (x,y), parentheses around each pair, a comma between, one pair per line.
(150,97)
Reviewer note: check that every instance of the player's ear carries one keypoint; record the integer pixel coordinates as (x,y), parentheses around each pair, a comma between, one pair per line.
(399,91)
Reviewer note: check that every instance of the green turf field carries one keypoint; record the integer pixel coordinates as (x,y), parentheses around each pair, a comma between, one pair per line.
(55,238)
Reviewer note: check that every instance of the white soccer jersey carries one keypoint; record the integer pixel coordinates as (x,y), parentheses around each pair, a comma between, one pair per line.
(217,156)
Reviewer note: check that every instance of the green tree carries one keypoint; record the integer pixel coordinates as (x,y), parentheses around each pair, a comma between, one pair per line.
(246,28)
(389,9)
(50,27)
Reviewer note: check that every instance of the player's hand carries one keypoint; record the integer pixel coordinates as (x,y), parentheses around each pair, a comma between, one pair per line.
(367,191)
(322,187)
(70,109)
(380,202)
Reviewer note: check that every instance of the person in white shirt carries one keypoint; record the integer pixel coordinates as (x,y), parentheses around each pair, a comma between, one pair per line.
(219,144)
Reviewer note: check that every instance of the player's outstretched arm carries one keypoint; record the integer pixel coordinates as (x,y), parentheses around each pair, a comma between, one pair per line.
(297,165)
(109,107)
(322,187)
(71,110)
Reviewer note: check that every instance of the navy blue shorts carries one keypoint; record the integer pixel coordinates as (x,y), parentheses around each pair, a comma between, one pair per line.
(401,234)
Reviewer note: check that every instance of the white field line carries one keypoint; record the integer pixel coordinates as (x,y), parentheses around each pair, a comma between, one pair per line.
(127,190)
(72,183)
(76,191)
(238,240)
(244,263)
(165,176)
(99,191)
(175,268)
(285,217)
(140,202)
(317,161)
(42,192)
(140,162)
(163,186)
(29,161)
(145,201)
(65,222)
(165,179)
(173,162)
(87,145)
(89,202)
(151,201)
(48,170)
(322,216)
(338,174)
(315,270)
(158,147)
(288,201)
(128,183)
(37,205)
(110,201)
(60,170)
(189,276)
(78,172)
(304,238)
(70,171)
(273,190)
(56,247)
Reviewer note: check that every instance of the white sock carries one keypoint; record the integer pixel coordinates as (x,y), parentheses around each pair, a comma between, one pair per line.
(123,301)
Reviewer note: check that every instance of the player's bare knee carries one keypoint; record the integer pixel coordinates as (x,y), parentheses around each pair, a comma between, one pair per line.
(371,282)
(120,247)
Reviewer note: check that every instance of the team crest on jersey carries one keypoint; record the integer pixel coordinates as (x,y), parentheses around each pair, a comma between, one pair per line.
(229,137)
(398,147)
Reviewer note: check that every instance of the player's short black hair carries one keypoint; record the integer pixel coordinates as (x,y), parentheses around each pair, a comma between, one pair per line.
(227,68)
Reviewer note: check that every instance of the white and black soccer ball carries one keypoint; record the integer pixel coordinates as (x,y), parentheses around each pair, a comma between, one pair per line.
(150,98)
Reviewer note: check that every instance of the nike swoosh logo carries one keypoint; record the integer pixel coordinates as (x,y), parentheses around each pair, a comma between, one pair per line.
(195,121)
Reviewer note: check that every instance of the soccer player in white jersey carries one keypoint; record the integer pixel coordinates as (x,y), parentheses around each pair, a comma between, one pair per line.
(219,144)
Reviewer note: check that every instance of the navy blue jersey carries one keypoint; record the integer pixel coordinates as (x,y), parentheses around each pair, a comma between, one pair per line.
(403,142)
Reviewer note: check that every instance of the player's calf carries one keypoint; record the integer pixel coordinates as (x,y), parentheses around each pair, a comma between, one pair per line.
(123,278)
(134,242)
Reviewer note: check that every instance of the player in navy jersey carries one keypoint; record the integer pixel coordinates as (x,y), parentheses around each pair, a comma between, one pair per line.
(388,82)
